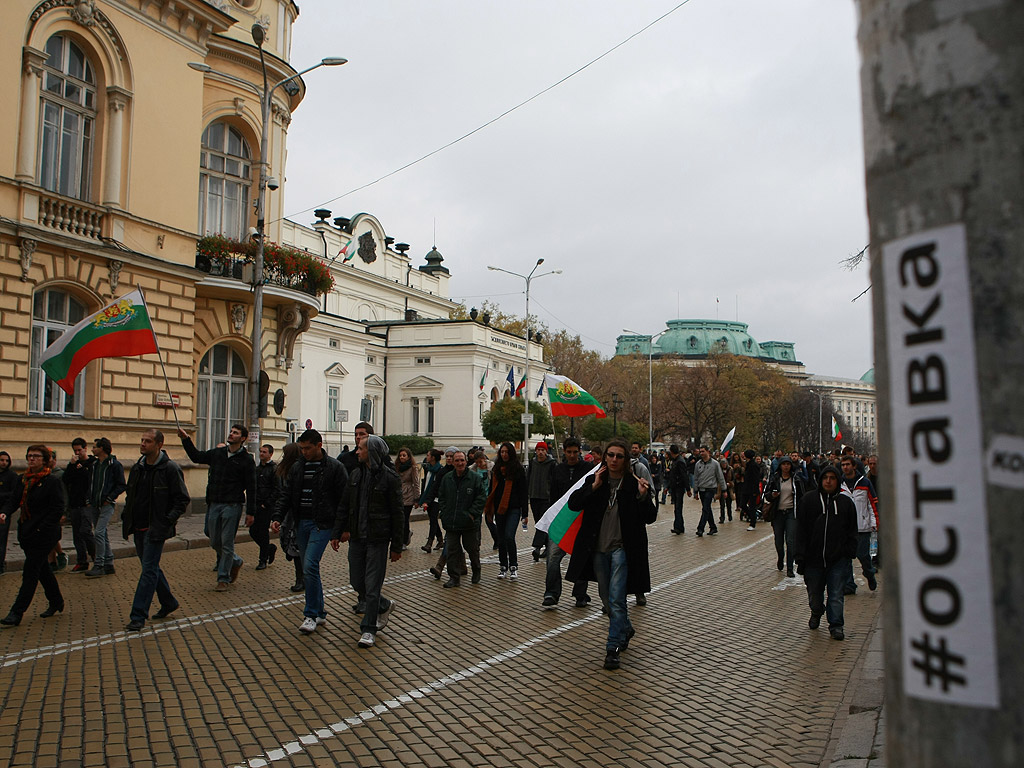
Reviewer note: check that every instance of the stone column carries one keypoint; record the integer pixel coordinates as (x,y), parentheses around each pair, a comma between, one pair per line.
(117,102)
(28,134)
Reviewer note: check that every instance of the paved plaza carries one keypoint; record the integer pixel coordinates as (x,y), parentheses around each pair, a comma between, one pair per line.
(723,670)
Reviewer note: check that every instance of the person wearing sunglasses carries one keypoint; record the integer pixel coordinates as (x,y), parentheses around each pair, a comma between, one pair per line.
(611,546)
(41,498)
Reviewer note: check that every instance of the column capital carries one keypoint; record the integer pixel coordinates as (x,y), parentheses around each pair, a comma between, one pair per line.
(118,98)
(33,60)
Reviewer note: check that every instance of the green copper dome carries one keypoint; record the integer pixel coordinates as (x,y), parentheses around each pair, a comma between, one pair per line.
(869,377)
(699,338)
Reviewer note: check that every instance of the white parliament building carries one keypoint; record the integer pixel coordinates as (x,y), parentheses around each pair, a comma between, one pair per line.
(381,347)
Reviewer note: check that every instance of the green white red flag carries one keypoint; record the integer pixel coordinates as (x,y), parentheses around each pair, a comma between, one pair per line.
(567,398)
(522,383)
(121,329)
(483,379)
(836,434)
(727,443)
(562,524)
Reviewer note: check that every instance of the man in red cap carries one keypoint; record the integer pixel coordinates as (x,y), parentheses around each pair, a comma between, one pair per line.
(538,484)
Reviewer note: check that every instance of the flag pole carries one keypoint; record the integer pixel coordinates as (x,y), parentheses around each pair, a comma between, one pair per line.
(160,354)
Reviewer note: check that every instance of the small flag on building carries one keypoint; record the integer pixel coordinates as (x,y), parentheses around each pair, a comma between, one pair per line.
(349,250)
(726,448)
(121,329)
(568,398)
(560,523)
(836,434)
(483,379)
(522,384)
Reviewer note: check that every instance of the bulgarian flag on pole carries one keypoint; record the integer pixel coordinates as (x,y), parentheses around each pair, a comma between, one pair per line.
(836,434)
(727,443)
(562,524)
(567,398)
(121,329)
(522,384)
(349,250)
(483,379)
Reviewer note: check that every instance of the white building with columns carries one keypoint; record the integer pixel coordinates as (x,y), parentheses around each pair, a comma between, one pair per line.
(383,349)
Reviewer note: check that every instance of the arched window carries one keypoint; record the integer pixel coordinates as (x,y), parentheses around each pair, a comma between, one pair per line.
(68,119)
(53,312)
(224,179)
(221,395)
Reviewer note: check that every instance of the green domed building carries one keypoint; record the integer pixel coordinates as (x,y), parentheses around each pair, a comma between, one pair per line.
(694,340)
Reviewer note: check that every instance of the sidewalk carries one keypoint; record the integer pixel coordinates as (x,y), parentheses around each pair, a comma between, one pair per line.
(189,529)
(858,733)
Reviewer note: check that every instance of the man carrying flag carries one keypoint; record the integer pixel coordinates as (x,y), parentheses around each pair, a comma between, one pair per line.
(611,547)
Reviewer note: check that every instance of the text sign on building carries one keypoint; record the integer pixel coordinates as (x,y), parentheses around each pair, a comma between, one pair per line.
(948,632)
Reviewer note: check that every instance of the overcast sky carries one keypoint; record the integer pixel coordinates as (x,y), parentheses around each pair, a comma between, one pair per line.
(716,155)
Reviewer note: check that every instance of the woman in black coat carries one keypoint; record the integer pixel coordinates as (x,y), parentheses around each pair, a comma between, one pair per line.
(611,546)
(40,496)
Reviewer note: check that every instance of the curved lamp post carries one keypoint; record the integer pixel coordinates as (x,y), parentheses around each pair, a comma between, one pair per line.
(526,390)
(650,380)
(258,36)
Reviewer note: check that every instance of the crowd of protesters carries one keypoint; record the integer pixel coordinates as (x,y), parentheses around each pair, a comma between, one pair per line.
(823,511)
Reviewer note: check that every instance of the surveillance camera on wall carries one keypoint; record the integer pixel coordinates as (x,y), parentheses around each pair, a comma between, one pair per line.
(272,183)
(253,233)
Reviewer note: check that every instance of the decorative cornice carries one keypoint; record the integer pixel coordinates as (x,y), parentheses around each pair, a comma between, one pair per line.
(33,61)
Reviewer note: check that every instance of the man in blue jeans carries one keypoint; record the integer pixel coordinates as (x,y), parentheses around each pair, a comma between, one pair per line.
(310,497)
(371,519)
(156,498)
(826,540)
(231,483)
(611,546)
(106,483)
(709,481)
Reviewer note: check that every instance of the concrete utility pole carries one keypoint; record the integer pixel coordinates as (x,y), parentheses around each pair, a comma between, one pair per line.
(943,99)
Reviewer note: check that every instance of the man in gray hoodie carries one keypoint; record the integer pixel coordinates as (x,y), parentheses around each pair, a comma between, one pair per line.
(370,518)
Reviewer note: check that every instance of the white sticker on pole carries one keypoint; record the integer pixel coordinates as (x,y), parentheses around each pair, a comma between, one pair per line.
(948,641)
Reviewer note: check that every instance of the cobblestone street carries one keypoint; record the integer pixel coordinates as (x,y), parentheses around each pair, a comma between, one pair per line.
(723,670)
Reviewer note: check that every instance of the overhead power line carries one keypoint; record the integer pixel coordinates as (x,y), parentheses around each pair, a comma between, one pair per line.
(493,120)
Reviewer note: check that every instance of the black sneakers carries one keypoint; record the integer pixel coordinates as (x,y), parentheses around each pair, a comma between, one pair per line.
(837,633)
(815,621)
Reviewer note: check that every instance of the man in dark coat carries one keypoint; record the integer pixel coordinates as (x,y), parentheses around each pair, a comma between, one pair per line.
(826,540)
(678,484)
(611,546)
(156,497)
(371,519)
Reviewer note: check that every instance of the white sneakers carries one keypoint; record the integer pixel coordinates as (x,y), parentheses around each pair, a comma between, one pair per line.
(513,573)
(503,573)
(320,621)
(383,616)
(308,626)
(750,528)
(366,640)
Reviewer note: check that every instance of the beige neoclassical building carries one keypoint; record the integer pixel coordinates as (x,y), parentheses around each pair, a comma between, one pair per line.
(117,156)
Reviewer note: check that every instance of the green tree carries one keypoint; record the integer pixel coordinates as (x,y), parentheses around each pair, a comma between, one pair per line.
(602,430)
(502,423)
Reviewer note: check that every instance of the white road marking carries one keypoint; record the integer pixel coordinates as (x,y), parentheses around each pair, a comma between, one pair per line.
(359,718)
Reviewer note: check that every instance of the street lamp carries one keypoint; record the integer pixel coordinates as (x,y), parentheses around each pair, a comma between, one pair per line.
(616,407)
(526,391)
(650,380)
(258,36)
(820,394)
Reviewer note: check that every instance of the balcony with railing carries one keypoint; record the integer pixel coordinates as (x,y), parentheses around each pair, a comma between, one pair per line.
(285,267)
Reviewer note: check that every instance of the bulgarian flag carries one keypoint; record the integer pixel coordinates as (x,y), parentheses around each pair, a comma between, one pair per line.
(836,434)
(120,329)
(567,398)
(349,250)
(727,443)
(522,383)
(483,379)
(562,524)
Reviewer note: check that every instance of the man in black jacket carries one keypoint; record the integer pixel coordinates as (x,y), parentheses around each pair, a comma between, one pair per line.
(231,483)
(106,483)
(8,479)
(311,494)
(563,478)
(266,499)
(826,540)
(76,481)
(678,484)
(371,519)
(157,496)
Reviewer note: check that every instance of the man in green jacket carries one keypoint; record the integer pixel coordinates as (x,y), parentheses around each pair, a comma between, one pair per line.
(462,495)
